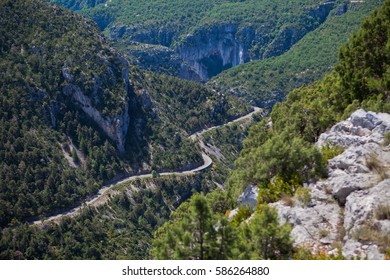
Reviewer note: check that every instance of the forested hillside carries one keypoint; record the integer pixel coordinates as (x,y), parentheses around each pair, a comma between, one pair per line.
(199,39)
(279,155)
(283,145)
(272,47)
(265,82)
(75,114)
(120,229)
(39,126)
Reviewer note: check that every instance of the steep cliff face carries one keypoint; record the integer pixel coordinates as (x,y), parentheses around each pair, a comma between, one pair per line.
(79,4)
(115,125)
(159,59)
(350,209)
(212,49)
(218,45)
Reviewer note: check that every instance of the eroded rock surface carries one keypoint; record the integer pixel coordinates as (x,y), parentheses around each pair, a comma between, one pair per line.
(343,211)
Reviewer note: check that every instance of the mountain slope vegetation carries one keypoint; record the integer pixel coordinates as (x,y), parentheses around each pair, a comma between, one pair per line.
(36,116)
(360,80)
(209,36)
(56,101)
(279,155)
(265,82)
(75,114)
(271,47)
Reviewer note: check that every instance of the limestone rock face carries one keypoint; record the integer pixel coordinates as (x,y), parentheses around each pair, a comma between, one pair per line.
(161,59)
(210,51)
(343,208)
(115,126)
(249,197)
(207,49)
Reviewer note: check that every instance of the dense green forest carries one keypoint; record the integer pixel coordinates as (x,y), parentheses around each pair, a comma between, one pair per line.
(255,29)
(120,229)
(290,43)
(168,111)
(53,153)
(177,18)
(278,155)
(285,147)
(60,106)
(265,82)
(37,118)
(191,233)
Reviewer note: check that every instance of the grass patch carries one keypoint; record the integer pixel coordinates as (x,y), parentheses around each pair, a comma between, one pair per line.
(303,196)
(369,233)
(364,233)
(287,200)
(382,212)
(386,140)
(375,165)
(328,152)
(324,233)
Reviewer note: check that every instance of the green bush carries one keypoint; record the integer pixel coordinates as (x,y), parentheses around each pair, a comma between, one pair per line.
(242,215)
(386,140)
(303,196)
(330,151)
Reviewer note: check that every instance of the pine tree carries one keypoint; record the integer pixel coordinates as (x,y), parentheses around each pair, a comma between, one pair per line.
(75,157)
(270,239)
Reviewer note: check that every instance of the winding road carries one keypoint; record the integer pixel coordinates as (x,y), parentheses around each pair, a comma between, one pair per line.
(207,162)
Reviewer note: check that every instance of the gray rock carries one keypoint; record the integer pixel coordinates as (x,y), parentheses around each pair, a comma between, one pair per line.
(373,253)
(361,118)
(311,225)
(233,213)
(353,249)
(341,9)
(342,186)
(383,226)
(249,197)
(360,206)
(357,181)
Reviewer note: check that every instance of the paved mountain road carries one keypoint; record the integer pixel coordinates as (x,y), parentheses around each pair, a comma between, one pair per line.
(207,162)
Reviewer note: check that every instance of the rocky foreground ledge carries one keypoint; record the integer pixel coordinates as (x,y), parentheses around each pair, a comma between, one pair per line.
(349,209)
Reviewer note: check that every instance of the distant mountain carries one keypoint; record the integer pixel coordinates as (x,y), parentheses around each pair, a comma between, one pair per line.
(258,50)
(265,82)
(208,36)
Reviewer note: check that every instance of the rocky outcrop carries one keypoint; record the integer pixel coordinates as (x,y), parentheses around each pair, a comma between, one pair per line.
(80,4)
(249,197)
(114,126)
(160,59)
(345,209)
(212,49)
